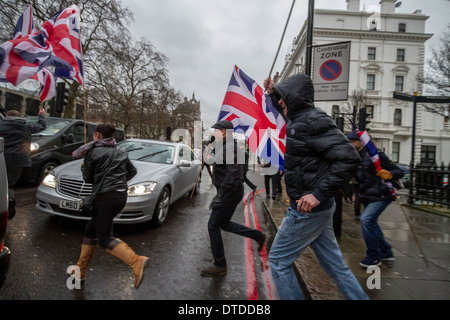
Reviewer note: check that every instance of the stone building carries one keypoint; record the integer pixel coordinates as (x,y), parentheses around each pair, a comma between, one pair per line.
(387,55)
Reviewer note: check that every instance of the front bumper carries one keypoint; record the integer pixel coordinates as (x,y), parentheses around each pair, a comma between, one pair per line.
(137,209)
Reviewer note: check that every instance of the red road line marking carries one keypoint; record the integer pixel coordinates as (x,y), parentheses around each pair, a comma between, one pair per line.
(263,252)
(252,286)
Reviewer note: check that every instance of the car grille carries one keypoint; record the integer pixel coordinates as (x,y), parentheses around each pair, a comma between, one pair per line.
(74,187)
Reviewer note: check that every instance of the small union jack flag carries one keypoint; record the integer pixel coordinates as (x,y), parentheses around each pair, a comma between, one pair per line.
(253,114)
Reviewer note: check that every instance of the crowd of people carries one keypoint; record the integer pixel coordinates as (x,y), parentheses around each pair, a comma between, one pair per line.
(321,165)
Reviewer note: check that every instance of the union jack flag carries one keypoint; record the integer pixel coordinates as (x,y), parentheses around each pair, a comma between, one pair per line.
(24,27)
(56,44)
(253,114)
(65,35)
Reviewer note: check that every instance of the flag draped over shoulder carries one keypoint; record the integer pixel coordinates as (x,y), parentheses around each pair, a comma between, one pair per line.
(253,114)
(373,153)
(57,44)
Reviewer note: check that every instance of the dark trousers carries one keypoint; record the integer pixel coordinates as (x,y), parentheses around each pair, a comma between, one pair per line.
(276,183)
(13,174)
(221,219)
(106,206)
(249,183)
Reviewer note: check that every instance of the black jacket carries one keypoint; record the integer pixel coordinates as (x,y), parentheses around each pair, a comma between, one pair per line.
(319,159)
(371,187)
(17,136)
(228,174)
(99,159)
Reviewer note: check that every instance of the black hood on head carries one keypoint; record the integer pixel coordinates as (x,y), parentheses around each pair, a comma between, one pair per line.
(297,93)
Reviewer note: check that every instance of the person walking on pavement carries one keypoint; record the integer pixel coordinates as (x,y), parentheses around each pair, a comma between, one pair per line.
(274,178)
(375,196)
(228,178)
(16,133)
(102,157)
(319,159)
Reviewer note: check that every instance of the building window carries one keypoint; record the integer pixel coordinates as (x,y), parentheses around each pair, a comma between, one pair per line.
(402,27)
(399,83)
(428,154)
(395,152)
(400,54)
(369,111)
(371,54)
(370,85)
(398,117)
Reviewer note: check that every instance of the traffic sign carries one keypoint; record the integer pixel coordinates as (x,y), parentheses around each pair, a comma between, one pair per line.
(331,71)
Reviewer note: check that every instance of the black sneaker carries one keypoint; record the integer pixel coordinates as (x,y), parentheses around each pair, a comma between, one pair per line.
(214,271)
(368,262)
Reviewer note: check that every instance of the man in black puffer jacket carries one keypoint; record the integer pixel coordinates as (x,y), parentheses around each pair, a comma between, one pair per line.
(319,159)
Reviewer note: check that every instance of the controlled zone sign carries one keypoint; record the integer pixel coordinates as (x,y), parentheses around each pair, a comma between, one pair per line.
(331,71)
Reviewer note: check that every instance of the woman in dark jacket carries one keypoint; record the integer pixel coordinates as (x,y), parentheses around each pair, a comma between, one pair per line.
(100,156)
(376,196)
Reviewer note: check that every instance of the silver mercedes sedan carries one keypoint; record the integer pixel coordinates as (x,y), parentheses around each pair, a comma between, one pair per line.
(166,171)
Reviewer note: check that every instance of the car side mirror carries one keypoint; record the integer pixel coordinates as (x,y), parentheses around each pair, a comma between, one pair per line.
(68,138)
(185,163)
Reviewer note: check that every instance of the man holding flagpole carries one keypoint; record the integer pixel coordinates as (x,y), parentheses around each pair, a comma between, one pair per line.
(319,159)
(376,193)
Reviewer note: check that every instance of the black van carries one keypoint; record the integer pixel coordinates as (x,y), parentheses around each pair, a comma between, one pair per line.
(54,145)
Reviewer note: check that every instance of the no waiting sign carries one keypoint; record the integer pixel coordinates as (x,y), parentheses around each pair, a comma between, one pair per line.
(331,71)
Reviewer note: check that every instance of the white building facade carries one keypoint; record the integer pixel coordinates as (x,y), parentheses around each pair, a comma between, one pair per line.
(387,55)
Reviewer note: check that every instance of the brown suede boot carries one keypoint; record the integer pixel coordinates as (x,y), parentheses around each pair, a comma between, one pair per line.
(87,251)
(137,263)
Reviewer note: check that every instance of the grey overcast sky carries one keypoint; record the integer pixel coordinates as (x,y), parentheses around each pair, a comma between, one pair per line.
(204,39)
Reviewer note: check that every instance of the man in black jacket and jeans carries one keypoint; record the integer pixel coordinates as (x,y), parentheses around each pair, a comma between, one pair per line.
(228,178)
(319,159)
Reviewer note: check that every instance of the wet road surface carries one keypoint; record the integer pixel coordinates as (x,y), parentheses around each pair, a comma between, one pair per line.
(44,246)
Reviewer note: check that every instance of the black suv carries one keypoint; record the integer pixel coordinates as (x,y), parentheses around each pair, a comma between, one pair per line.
(54,145)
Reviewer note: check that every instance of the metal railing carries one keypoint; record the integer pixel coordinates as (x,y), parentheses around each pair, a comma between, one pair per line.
(429,184)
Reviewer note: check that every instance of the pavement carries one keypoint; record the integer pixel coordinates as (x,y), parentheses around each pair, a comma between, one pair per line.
(421,245)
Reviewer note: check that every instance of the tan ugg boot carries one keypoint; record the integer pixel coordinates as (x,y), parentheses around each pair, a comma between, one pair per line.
(137,263)
(87,251)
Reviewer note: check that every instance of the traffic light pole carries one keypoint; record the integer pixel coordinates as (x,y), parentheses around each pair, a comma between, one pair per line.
(309,38)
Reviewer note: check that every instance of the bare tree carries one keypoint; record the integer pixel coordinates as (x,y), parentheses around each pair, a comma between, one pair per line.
(436,79)
(103,22)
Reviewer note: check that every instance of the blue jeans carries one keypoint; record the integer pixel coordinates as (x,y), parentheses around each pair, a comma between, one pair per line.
(295,234)
(377,247)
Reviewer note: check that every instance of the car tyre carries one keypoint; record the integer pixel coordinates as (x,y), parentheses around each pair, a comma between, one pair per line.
(162,208)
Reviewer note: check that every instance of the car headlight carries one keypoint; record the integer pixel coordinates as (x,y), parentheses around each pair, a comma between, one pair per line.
(141,189)
(49,181)
(34,146)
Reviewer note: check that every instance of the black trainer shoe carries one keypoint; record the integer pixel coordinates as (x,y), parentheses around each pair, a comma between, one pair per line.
(261,242)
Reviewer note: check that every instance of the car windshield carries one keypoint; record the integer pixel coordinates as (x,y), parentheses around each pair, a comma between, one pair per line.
(53,126)
(148,152)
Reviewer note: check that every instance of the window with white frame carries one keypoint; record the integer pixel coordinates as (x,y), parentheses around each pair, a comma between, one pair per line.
(399,83)
(395,152)
(370,84)
(371,53)
(401,55)
(398,117)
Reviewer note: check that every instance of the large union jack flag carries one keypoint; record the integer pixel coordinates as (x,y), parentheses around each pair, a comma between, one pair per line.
(57,44)
(253,114)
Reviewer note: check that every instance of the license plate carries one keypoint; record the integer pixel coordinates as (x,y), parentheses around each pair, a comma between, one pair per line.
(70,205)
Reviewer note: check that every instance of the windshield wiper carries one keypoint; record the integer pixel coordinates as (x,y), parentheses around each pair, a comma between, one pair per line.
(151,154)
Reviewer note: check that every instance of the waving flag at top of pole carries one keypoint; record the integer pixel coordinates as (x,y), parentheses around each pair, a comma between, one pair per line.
(24,27)
(57,44)
(252,113)
(373,152)
(65,36)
